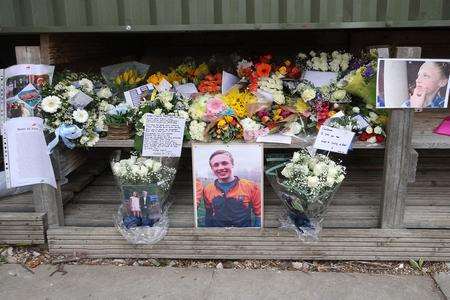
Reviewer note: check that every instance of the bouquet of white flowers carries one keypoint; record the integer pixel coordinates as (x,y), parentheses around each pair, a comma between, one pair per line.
(145,184)
(75,109)
(305,184)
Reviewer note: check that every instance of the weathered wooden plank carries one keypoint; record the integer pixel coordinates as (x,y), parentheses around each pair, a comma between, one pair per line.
(397,158)
(252,243)
(5,216)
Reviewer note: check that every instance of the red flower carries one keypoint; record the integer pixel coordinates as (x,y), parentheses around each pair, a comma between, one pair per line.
(263,70)
(380,138)
(295,72)
(364,136)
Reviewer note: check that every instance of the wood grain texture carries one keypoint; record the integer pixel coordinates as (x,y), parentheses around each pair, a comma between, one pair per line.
(268,243)
(22,228)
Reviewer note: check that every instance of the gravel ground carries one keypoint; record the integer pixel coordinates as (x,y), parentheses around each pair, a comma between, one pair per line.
(31,257)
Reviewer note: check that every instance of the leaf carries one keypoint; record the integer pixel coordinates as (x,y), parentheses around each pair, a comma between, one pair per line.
(421,262)
(414,264)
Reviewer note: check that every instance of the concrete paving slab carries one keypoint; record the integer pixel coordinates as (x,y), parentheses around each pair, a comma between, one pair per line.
(443,280)
(111,282)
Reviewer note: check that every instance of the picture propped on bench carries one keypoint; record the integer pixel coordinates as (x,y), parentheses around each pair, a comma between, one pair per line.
(413,83)
(228,185)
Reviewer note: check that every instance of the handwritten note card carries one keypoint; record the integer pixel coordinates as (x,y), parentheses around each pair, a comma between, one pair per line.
(334,139)
(163,136)
(135,96)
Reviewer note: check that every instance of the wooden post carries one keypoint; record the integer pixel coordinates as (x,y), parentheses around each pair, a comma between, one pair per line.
(397,158)
(45,198)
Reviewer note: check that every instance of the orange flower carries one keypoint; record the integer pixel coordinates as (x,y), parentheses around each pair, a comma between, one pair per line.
(263,70)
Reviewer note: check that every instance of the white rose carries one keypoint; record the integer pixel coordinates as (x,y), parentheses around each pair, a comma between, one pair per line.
(340,178)
(338,95)
(157,166)
(301,55)
(319,168)
(51,104)
(80,115)
(86,85)
(296,157)
(372,140)
(369,106)
(369,130)
(378,130)
(308,95)
(157,111)
(373,116)
(168,105)
(293,128)
(313,181)
(287,171)
(304,169)
(356,110)
(104,93)
(330,180)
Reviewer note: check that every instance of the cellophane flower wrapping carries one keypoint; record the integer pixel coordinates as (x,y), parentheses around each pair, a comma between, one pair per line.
(125,76)
(145,183)
(305,185)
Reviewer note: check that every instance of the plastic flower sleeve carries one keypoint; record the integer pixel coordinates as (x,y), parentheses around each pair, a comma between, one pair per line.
(305,185)
(145,183)
(124,76)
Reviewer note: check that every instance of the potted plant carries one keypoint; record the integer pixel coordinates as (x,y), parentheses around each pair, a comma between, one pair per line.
(119,120)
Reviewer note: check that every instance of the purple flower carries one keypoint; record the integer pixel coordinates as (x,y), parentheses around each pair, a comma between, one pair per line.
(368,72)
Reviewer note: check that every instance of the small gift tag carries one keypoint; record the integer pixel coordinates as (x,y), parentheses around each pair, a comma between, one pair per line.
(334,139)
(135,96)
(361,122)
(186,90)
(80,100)
(163,86)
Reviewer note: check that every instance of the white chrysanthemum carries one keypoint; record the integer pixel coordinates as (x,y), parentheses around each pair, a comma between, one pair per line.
(80,116)
(338,95)
(356,110)
(378,130)
(100,123)
(51,104)
(340,178)
(157,111)
(165,96)
(197,130)
(278,97)
(104,93)
(308,95)
(313,181)
(86,85)
(312,53)
(168,105)
(373,116)
(288,171)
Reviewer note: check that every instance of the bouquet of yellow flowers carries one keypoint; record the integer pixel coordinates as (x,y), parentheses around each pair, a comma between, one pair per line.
(226,128)
(124,76)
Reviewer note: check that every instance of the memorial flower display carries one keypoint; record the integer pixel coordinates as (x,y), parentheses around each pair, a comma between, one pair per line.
(75,110)
(305,184)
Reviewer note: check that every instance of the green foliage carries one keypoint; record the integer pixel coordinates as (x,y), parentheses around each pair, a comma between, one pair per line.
(417,265)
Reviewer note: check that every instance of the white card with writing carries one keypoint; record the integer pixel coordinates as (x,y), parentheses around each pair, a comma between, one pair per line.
(334,139)
(319,78)
(80,100)
(163,136)
(135,96)
(186,89)
(228,81)
(361,122)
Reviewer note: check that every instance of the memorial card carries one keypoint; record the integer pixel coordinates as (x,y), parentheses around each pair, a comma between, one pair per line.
(135,96)
(228,184)
(412,83)
(334,139)
(163,136)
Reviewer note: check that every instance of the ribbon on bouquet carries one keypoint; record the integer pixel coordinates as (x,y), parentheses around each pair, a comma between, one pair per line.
(67,132)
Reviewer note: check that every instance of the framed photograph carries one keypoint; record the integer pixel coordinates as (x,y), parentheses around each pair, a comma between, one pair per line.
(413,83)
(228,185)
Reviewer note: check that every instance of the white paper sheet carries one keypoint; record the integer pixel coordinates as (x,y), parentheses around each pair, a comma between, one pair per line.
(228,81)
(319,78)
(163,136)
(26,155)
(186,89)
(163,86)
(275,138)
(334,139)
